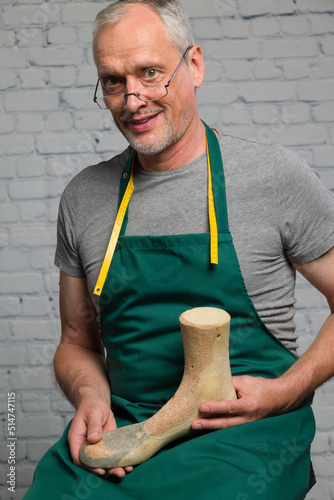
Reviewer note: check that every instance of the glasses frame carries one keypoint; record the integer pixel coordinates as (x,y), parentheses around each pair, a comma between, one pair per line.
(135,93)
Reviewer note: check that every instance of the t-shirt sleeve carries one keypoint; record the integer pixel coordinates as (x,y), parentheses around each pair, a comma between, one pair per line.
(67,256)
(305,210)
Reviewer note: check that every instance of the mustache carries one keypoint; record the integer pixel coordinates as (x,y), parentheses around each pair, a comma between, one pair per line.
(127,116)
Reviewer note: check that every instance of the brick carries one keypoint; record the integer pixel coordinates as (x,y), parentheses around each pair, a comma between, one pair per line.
(232,49)
(323,112)
(42,260)
(29,122)
(86,77)
(264,115)
(8,79)
(40,426)
(6,123)
(5,334)
(62,77)
(264,27)
(12,59)
(321,24)
(79,99)
(250,8)
(235,115)
(33,78)
(85,34)
(38,237)
(299,135)
(9,306)
(323,157)
(235,28)
(327,46)
(61,35)
(316,90)
(219,94)
(21,283)
(198,9)
(327,177)
(35,306)
(213,72)
(56,56)
(31,167)
(17,145)
(28,330)
(292,47)
(59,122)
(30,15)
(29,37)
(321,443)
(12,357)
(237,70)
(37,448)
(14,260)
(266,70)
(3,238)
(31,101)
(269,91)
(207,28)
(295,25)
(41,355)
(294,70)
(85,120)
(318,6)
(80,12)
(60,403)
(296,113)
(33,212)
(8,213)
(323,68)
(66,143)
(3,192)
(30,189)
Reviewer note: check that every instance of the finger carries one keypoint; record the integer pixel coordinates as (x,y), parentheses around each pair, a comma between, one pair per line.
(218,423)
(226,407)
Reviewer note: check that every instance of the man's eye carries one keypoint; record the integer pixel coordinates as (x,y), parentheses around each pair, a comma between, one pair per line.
(151,73)
(111,82)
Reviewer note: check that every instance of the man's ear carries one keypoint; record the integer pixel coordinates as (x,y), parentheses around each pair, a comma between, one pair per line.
(196,64)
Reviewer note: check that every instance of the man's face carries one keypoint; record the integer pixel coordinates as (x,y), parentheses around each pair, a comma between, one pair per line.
(135,52)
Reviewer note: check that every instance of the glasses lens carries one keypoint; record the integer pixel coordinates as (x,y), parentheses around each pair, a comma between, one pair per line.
(151,93)
(144,94)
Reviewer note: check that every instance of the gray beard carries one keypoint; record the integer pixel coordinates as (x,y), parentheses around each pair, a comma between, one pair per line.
(153,147)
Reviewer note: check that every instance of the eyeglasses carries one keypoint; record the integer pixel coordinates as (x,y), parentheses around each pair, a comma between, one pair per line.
(145,94)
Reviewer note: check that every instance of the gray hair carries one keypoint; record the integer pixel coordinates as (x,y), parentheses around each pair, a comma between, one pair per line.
(172,13)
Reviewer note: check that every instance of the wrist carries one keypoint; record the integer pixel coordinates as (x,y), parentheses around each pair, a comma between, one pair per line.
(86,393)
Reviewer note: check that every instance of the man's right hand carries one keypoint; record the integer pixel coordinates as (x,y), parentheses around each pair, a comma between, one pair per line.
(92,419)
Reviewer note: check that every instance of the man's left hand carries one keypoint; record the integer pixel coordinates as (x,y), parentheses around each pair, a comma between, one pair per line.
(257,398)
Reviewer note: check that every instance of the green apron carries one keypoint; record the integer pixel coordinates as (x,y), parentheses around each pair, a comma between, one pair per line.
(151,281)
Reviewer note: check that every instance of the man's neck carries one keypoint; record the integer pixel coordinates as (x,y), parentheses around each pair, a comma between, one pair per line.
(190,147)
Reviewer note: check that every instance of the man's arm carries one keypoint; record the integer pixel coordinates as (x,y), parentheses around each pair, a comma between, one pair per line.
(80,368)
(260,397)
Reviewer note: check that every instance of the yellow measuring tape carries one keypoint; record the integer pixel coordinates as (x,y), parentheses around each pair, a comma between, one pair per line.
(115,233)
(121,214)
(212,215)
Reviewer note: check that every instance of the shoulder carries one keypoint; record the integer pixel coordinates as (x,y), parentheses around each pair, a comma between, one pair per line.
(270,164)
(95,180)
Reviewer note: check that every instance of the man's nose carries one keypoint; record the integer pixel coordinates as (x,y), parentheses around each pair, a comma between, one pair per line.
(133,103)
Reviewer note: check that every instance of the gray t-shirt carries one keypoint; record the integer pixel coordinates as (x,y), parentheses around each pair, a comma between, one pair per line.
(279,214)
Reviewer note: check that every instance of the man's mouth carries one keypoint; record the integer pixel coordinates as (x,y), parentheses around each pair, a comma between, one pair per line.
(142,124)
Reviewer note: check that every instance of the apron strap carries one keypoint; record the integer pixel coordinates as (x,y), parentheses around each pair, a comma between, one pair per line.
(218,180)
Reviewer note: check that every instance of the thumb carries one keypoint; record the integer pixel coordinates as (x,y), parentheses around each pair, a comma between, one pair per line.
(94,428)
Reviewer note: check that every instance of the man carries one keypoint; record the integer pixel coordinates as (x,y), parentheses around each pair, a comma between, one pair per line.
(280,218)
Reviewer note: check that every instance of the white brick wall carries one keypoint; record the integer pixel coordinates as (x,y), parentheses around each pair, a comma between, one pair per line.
(270,75)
